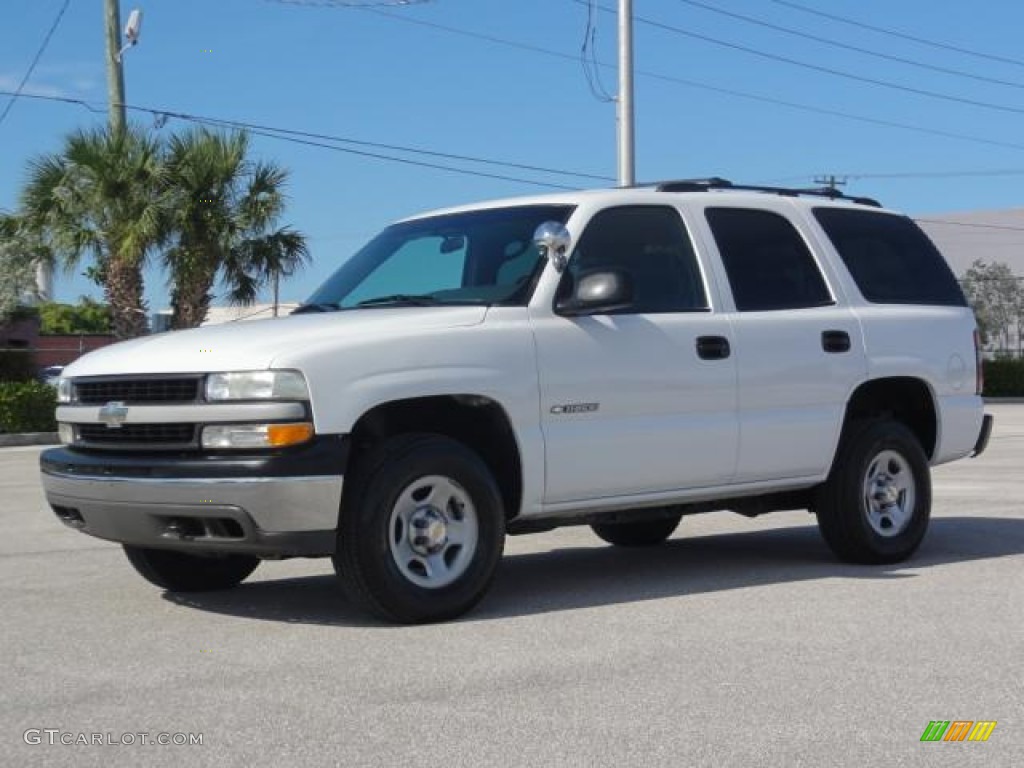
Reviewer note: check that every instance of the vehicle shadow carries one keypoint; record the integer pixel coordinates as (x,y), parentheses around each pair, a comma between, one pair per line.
(586,577)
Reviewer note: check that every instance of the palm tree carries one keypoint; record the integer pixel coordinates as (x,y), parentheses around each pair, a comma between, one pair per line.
(102,194)
(224,209)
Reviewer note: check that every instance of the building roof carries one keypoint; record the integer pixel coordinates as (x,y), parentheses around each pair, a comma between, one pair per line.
(987,235)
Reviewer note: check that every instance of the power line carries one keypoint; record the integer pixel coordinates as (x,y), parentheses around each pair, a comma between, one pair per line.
(898,34)
(304,137)
(704,86)
(938,174)
(351,3)
(820,68)
(849,47)
(953,223)
(35,59)
(588,59)
(897,175)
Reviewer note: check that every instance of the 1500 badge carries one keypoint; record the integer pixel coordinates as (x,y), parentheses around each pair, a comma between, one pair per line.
(575,408)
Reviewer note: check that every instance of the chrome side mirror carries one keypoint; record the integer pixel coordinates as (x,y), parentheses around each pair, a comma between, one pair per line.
(553,240)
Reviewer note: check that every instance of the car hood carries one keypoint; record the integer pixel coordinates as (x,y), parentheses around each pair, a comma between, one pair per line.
(253,345)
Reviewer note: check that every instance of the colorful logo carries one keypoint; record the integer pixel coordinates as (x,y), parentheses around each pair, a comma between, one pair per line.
(958,730)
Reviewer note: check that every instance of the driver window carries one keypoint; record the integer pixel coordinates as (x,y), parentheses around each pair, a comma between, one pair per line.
(651,245)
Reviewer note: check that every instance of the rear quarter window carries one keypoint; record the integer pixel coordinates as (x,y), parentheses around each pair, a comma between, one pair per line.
(890,259)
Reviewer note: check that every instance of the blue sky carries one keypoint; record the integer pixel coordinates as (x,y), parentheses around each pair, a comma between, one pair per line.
(375,75)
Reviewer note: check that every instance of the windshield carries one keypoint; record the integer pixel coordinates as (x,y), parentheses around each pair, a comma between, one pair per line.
(476,257)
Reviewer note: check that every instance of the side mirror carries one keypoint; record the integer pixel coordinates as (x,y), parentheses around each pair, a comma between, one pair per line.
(553,240)
(604,291)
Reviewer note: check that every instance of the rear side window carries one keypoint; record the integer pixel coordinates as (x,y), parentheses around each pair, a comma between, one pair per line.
(768,264)
(890,258)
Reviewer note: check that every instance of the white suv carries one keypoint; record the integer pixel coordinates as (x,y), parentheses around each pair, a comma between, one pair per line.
(618,358)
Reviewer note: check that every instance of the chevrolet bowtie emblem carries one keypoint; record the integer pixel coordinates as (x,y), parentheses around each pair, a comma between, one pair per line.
(113,414)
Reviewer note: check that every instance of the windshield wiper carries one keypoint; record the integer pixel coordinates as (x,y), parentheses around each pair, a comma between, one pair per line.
(404,299)
(303,309)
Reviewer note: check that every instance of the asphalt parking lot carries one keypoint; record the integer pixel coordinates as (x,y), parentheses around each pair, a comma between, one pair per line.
(739,643)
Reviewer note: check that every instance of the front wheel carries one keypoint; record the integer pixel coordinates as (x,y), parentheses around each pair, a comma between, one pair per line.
(876,503)
(422,530)
(641,533)
(181,572)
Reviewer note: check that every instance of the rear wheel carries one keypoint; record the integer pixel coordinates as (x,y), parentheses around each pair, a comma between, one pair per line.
(181,572)
(642,533)
(876,503)
(421,531)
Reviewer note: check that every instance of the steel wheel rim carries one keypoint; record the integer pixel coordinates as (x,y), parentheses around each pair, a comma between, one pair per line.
(890,493)
(433,531)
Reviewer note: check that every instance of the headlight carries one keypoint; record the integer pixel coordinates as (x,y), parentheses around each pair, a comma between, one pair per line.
(63,390)
(256,435)
(256,385)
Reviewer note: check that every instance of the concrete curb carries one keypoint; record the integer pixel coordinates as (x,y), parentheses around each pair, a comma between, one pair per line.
(29,438)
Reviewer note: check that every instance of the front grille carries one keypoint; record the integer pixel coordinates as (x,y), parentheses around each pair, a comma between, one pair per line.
(128,435)
(178,389)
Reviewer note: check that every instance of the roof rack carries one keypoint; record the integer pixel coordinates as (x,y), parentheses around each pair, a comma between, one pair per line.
(715,182)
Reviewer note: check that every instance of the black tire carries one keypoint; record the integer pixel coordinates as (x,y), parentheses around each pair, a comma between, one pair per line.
(845,511)
(369,532)
(642,533)
(181,572)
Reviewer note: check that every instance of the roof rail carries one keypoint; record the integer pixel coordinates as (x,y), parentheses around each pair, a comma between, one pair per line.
(715,182)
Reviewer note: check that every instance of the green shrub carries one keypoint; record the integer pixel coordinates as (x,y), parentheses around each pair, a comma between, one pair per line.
(16,365)
(1004,378)
(27,406)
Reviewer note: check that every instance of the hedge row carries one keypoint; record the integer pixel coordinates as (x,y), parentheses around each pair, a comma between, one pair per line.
(1004,378)
(27,406)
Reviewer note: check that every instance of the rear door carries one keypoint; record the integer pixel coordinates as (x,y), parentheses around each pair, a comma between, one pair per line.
(799,347)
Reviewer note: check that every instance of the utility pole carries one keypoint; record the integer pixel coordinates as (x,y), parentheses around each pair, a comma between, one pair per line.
(627,176)
(115,74)
(831,181)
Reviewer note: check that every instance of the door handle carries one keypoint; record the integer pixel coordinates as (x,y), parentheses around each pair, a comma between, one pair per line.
(835,341)
(712,347)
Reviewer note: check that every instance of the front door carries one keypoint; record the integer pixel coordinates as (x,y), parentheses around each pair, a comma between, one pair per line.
(640,400)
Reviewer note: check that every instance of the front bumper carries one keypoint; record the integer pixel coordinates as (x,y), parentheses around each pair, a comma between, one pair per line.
(283,504)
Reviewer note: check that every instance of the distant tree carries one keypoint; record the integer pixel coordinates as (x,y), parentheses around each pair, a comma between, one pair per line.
(223,223)
(19,254)
(996,296)
(102,195)
(87,316)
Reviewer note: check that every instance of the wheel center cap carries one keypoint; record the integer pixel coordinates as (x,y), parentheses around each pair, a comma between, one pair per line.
(428,532)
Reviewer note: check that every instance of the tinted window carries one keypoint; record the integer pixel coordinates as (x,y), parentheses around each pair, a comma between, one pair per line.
(651,245)
(768,263)
(483,256)
(890,258)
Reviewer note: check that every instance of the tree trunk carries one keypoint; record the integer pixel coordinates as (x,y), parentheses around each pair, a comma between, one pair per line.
(123,289)
(190,298)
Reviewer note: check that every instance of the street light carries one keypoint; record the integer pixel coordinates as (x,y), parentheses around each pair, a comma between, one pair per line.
(132,31)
